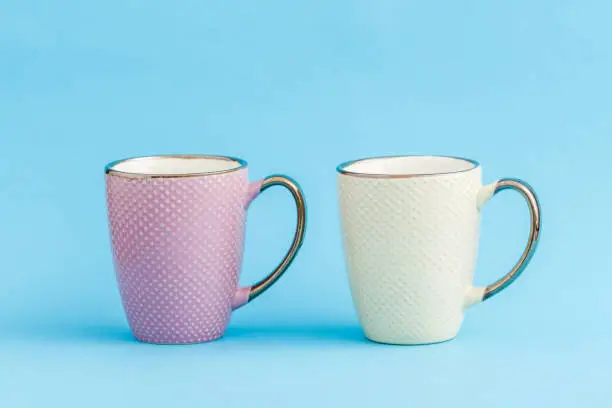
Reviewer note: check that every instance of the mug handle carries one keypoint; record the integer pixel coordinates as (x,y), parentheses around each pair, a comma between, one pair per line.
(476,295)
(246,294)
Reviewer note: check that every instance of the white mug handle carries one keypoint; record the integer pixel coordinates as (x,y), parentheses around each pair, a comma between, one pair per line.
(476,295)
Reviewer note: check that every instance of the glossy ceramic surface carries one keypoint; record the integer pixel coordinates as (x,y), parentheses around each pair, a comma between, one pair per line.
(410,232)
(177,240)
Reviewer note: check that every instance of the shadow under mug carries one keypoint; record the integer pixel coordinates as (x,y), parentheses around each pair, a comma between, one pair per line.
(177,226)
(410,230)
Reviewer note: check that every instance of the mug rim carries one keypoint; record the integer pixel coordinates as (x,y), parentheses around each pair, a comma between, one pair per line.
(109,170)
(341,168)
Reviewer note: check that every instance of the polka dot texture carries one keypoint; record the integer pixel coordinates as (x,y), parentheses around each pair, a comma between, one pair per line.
(410,247)
(177,247)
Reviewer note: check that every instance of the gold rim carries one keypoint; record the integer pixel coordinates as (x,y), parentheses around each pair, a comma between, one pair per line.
(342,167)
(108,169)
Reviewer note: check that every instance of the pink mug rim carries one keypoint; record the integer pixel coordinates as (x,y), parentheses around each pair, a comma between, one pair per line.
(111,171)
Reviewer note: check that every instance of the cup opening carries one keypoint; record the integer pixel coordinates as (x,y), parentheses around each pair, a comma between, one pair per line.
(406,166)
(174,166)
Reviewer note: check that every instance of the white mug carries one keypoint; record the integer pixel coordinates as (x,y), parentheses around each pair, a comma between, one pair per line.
(410,229)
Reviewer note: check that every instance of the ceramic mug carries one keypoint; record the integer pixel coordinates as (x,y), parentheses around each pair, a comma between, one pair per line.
(177,226)
(410,232)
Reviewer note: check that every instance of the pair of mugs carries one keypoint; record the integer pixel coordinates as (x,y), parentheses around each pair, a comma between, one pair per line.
(410,229)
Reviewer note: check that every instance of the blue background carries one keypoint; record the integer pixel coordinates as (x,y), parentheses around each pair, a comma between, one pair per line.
(297,87)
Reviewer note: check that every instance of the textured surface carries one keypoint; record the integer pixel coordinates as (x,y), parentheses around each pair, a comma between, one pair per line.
(410,247)
(177,246)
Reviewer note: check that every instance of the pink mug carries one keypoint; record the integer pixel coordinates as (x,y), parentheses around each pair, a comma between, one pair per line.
(177,228)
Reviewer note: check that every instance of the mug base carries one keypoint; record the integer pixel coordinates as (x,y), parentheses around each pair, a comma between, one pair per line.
(170,342)
(409,342)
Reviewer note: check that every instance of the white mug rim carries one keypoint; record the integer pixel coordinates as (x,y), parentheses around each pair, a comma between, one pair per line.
(342,168)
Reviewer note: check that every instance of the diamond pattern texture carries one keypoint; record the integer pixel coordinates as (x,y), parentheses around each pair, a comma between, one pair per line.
(410,247)
(177,247)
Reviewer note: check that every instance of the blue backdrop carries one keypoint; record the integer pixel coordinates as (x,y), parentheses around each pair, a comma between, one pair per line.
(297,87)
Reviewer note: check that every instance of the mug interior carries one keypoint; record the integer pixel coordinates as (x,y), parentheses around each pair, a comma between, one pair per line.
(175,165)
(406,166)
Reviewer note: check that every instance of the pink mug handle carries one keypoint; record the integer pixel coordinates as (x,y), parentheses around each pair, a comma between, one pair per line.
(246,294)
